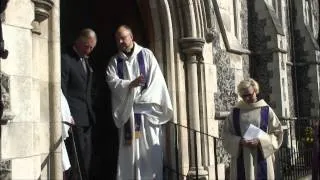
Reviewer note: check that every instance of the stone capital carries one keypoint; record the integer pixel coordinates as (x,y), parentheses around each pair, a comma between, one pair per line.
(42,8)
(192,46)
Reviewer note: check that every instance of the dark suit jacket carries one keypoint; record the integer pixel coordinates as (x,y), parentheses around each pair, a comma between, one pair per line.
(77,87)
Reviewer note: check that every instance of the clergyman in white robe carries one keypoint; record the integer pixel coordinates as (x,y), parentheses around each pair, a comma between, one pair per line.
(249,163)
(142,159)
(66,117)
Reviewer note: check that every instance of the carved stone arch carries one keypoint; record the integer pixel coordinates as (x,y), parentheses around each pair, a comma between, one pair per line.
(195,17)
(162,32)
(188,20)
(161,35)
(145,11)
(209,22)
(159,28)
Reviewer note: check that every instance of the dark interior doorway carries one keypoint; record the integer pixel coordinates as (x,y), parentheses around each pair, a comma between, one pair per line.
(103,17)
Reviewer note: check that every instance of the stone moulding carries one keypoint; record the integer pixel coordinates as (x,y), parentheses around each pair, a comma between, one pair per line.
(221,115)
(42,8)
(231,42)
(191,45)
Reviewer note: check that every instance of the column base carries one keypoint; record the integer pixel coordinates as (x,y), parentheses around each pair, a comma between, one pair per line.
(202,174)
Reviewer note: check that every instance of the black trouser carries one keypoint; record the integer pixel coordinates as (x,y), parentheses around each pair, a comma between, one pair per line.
(82,154)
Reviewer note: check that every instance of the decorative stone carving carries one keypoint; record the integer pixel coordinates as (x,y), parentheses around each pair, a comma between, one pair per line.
(2,17)
(5,170)
(3,6)
(41,9)
(211,34)
(7,114)
(192,46)
(5,166)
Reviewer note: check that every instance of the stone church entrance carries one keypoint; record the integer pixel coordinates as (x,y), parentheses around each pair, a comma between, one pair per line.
(103,18)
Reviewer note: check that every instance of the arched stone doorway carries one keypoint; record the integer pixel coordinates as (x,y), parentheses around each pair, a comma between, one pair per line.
(104,18)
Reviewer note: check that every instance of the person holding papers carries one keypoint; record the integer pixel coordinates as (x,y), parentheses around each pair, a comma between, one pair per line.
(252,134)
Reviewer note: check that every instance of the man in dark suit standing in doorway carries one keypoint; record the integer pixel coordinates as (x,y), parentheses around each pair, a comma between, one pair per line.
(76,84)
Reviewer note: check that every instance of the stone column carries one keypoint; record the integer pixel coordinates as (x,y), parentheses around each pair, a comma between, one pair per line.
(192,48)
(54,93)
(47,10)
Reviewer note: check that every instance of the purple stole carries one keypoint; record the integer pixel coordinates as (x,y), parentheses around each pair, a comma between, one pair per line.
(137,116)
(262,171)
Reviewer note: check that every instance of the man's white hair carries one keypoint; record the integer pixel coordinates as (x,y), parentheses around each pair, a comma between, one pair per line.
(86,34)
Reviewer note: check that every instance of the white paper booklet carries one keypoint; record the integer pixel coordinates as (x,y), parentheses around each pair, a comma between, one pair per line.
(253,132)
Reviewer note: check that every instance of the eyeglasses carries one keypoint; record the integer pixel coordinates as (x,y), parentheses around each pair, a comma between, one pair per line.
(247,95)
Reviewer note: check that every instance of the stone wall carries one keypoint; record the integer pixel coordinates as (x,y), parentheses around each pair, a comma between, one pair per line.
(260,57)
(30,67)
(231,68)
(245,37)
(305,58)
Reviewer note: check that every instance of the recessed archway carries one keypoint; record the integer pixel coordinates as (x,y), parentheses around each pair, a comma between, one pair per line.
(104,18)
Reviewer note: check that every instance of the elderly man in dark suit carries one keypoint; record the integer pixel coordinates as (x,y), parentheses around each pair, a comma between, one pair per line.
(76,84)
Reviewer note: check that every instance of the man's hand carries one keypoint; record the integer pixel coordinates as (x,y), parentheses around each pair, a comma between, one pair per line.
(253,143)
(139,81)
(72,121)
(250,143)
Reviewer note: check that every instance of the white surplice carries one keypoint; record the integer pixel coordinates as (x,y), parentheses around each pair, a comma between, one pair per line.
(143,158)
(66,117)
(270,142)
